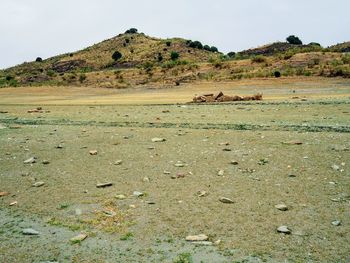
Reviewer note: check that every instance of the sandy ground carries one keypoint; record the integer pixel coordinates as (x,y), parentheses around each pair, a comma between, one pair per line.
(287,151)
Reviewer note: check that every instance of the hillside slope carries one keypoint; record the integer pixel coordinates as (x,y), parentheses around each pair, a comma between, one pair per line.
(134,59)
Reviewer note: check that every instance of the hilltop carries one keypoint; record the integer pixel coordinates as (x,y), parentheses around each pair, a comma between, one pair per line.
(134,59)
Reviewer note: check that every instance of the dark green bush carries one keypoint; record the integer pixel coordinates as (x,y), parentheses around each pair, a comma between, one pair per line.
(117,55)
(195,44)
(231,54)
(174,55)
(206,47)
(131,31)
(214,49)
(168,43)
(277,74)
(38,59)
(294,40)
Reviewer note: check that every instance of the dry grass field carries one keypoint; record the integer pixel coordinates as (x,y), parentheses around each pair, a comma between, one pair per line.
(280,150)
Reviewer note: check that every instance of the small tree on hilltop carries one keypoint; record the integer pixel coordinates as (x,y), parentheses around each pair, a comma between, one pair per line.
(39,59)
(131,31)
(117,55)
(294,40)
(214,49)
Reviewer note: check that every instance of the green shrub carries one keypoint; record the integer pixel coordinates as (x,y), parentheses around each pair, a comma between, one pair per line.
(82,78)
(231,54)
(277,74)
(294,40)
(174,55)
(131,31)
(258,59)
(195,44)
(168,43)
(38,59)
(214,49)
(206,47)
(117,55)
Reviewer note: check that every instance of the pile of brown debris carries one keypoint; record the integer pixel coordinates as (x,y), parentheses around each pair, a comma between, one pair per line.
(220,97)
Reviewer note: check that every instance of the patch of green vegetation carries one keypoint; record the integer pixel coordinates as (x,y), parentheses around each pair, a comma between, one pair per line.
(56,222)
(184,258)
(127,236)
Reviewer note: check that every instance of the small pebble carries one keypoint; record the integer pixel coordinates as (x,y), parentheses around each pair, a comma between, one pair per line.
(284,230)
(30,232)
(336,223)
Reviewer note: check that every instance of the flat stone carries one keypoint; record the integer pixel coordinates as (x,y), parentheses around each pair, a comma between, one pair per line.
(158,139)
(103,185)
(45,162)
(13,203)
(226,200)
(227,150)
(335,167)
(284,230)
(78,238)
(30,232)
(137,194)
(202,243)
(38,184)
(202,193)
(221,173)
(30,160)
(336,223)
(93,152)
(60,146)
(166,172)
(145,179)
(281,207)
(120,197)
(179,165)
(234,162)
(197,238)
(118,162)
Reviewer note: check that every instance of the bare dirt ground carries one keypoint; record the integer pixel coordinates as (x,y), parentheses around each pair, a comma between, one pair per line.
(258,154)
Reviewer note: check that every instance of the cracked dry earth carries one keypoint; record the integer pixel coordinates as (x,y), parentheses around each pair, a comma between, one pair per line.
(278,164)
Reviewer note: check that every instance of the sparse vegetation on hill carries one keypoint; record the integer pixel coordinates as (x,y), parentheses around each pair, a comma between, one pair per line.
(141,60)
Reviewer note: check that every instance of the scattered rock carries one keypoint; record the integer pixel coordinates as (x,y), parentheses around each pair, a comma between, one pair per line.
(221,173)
(158,139)
(145,179)
(150,202)
(292,175)
(202,193)
(60,146)
(179,164)
(284,230)
(151,148)
(38,184)
(13,203)
(281,207)
(234,162)
(166,172)
(227,150)
(103,185)
(137,194)
(336,223)
(335,167)
(78,238)
(120,197)
(178,175)
(118,162)
(30,160)
(197,238)
(30,232)
(93,152)
(202,243)
(293,143)
(226,200)
(45,162)
(4,194)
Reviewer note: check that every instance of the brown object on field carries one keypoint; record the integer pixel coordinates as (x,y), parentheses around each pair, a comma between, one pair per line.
(221,97)
(37,110)
(4,194)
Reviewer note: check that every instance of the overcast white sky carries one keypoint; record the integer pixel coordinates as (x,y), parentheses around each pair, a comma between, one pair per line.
(32,28)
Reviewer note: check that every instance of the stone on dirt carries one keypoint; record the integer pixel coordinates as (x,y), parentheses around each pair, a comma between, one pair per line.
(103,185)
(281,207)
(120,197)
(221,173)
(118,162)
(45,162)
(197,238)
(30,160)
(137,194)
(4,194)
(78,238)
(234,162)
(284,230)
(30,232)
(156,139)
(226,200)
(38,184)
(336,223)
(93,152)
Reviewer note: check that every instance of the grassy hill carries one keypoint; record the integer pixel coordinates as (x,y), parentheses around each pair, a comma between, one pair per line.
(143,60)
